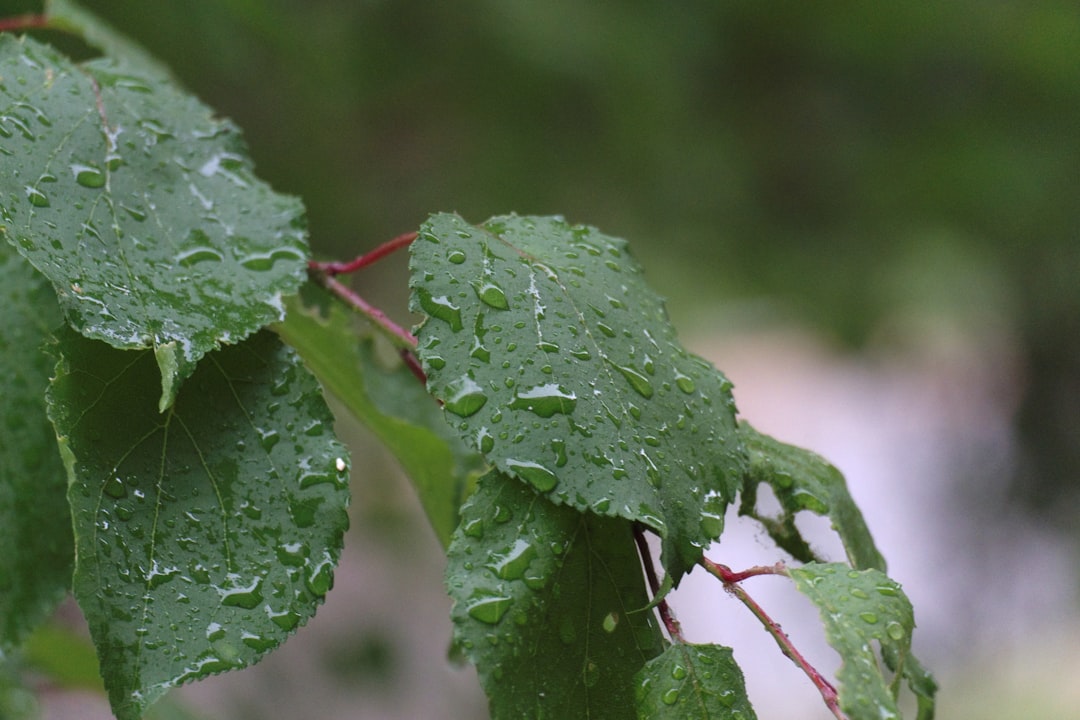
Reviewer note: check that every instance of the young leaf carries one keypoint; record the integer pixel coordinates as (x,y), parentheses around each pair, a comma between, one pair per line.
(693,681)
(548,605)
(390,401)
(35,525)
(803,480)
(857,608)
(140,208)
(555,360)
(206,534)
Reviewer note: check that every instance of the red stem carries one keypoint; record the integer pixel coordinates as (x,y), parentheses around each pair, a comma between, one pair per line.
(401,337)
(24,22)
(340,268)
(666,615)
(731,584)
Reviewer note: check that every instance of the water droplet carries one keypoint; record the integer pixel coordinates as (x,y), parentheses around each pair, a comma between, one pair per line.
(545,400)
(474,528)
(895,630)
(440,307)
(456,256)
(641,384)
(266,261)
(286,619)
(868,617)
(114,488)
(536,474)
(36,197)
(670,697)
(488,607)
(268,438)
(258,643)
(678,672)
(158,576)
(684,382)
(215,632)
(292,554)
(887,590)
(513,562)
(492,295)
(464,397)
(194,256)
(485,440)
(243,596)
(611,621)
(559,448)
(88,176)
(319,577)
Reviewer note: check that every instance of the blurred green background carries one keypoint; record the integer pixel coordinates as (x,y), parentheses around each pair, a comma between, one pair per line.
(873,171)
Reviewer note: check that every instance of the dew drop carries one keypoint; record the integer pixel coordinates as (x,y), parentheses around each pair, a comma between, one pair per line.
(36,197)
(456,256)
(559,448)
(88,176)
(895,630)
(319,577)
(465,397)
(611,621)
(869,617)
(641,384)
(266,261)
(485,440)
(474,528)
(286,619)
(670,697)
(536,474)
(514,561)
(859,593)
(115,488)
(545,400)
(684,382)
(440,307)
(197,255)
(488,607)
(258,643)
(247,596)
(492,295)
(678,672)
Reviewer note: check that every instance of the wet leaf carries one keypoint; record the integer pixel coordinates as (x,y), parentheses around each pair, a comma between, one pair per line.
(206,534)
(693,681)
(548,605)
(389,399)
(861,609)
(556,361)
(35,525)
(803,480)
(141,208)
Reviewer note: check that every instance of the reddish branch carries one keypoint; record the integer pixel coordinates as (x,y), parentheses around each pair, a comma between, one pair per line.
(662,606)
(341,268)
(24,22)
(731,582)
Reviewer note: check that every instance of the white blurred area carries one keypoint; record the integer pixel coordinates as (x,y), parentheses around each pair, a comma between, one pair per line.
(921,431)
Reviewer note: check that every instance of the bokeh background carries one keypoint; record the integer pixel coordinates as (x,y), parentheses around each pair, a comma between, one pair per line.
(867,214)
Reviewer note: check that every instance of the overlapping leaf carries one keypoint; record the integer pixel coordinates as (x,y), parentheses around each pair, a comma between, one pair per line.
(35,525)
(803,480)
(861,608)
(389,400)
(693,682)
(556,361)
(140,208)
(205,534)
(548,605)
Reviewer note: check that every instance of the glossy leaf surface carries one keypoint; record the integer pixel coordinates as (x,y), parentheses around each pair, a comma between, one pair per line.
(803,480)
(862,609)
(693,681)
(206,534)
(141,208)
(35,525)
(556,361)
(389,400)
(547,604)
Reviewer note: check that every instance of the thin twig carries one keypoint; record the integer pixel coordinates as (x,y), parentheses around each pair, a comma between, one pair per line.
(341,268)
(401,337)
(731,584)
(666,615)
(29,21)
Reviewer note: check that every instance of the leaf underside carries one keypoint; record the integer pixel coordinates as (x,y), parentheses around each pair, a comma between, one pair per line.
(389,400)
(206,534)
(803,480)
(548,605)
(140,208)
(556,361)
(35,524)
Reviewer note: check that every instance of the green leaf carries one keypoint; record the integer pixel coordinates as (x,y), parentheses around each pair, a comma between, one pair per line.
(548,605)
(555,359)
(803,480)
(389,400)
(858,607)
(141,208)
(206,534)
(693,681)
(35,525)
(17,702)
